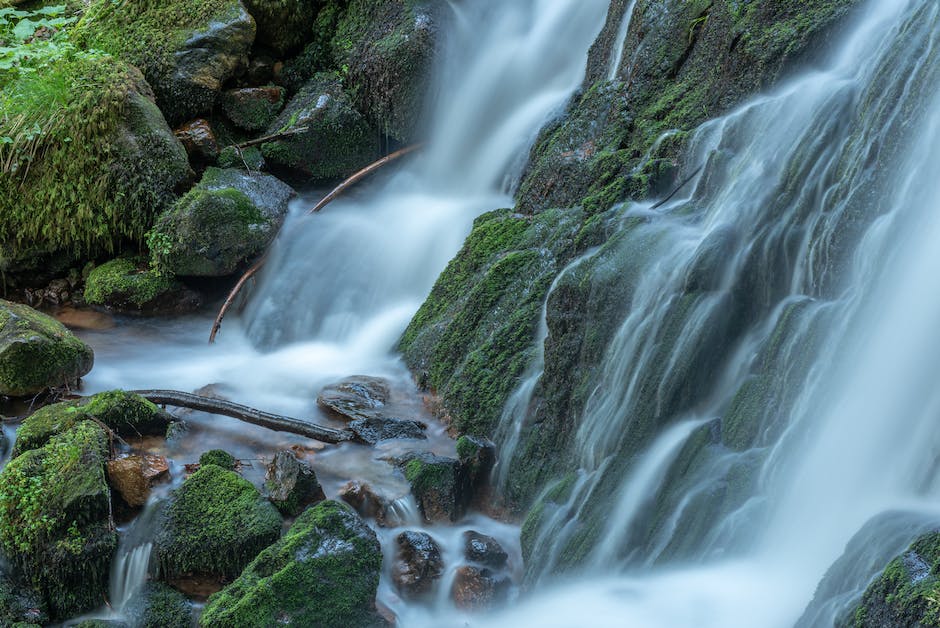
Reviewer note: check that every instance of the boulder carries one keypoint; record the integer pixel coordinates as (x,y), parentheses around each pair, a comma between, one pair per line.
(252,108)
(292,485)
(199,140)
(130,286)
(477,589)
(374,429)
(477,456)
(55,521)
(133,476)
(365,501)
(214,525)
(437,485)
(186,50)
(249,158)
(218,457)
(418,564)
(69,205)
(323,572)
(484,550)
(356,397)
(159,606)
(20,604)
(37,352)
(228,218)
(337,141)
(125,413)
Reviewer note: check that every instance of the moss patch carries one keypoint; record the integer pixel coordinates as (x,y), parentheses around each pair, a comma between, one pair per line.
(127,284)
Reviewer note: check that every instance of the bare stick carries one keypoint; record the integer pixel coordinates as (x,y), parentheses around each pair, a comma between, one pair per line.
(251,272)
(222,407)
(272,138)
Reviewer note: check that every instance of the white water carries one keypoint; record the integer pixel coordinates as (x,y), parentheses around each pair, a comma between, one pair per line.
(617,52)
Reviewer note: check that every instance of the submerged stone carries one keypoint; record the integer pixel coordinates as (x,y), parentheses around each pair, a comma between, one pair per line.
(323,572)
(215,524)
(477,589)
(37,352)
(365,500)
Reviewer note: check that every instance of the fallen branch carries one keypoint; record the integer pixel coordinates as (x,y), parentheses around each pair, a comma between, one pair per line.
(339,189)
(271,138)
(275,422)
(676,190)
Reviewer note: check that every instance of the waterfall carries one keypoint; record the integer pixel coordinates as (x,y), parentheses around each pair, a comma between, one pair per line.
(617,51)
(360,270)
(776,363)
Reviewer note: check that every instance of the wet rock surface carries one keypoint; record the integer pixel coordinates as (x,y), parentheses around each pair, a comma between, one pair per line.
(133,476)
(199,140)
(374,429)
(485,550)
(356,397)
(365,501)
(477,589)
(252,108)
(418,565)
(292,484)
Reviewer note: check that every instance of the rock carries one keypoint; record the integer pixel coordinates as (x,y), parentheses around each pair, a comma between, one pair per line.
(218,457)
(133,476)
(215,524)
(338,140)
(159,606)
(292,485)
(130,286)
(71,205)
(388,48)
(199,140)
(284,25)
(260,70)
(365,501)
(252,108)
(418,565)
(323,572)
(125,413)
(20,604)
(477,456)
(374,429)
(186,50)
(437,485)
(477,589)
(228,218)
(37,352)
(249,159)
(483,549)
(355,397)
(176,431)
(55,522)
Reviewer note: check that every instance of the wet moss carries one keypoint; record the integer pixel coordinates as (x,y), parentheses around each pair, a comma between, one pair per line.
(323,572)
(159,606)
(127,284)
(216,523)
(218,457)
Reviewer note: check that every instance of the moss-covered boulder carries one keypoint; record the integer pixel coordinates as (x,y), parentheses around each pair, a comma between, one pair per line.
(438,485)
(283,25)
(252,108)
(37,352)
(187,50)
(215,524)
(55,522)
(104,164)
(906,593)
(338,140)
(20,604)
(323,572)
(387,50)
(159,606)
(125,413)
(131,286)
(231,216)
(218,457)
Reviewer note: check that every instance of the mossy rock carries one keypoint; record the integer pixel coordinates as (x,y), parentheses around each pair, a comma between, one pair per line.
(283,25)
(186,50)
(159,606)
(323,572)
(131,286)
(338,140)
(229,217)
(37,352)
(105,164)
(387,49)
(127,414)
(218,457)
(252,108)
(20,604)
(439,486)
(215,524)
(249,158)
(55,524)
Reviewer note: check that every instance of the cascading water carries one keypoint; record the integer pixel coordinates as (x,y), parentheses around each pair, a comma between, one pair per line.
(784,308)
(617,50)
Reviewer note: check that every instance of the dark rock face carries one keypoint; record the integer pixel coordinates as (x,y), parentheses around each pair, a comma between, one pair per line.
(252,108)
(477,589)
(356,397)
(20,604)
(292,485)
(437,484)
(323,572)
(485,550)
(365,501)
(229,217)
(133,476)
(199,140)
(374,429)
(37,352)
(419,564)
(283,25)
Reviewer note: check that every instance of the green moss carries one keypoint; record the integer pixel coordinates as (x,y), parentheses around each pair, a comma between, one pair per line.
(55,518)
(323,572)
(437,484)
(218,457)
(126,414)
(123,283)
(159,606)
(282,24)
(216,524)
(249,158)
(37,352)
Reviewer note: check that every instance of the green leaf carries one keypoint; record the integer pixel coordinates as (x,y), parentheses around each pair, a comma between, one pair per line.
(24,29)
